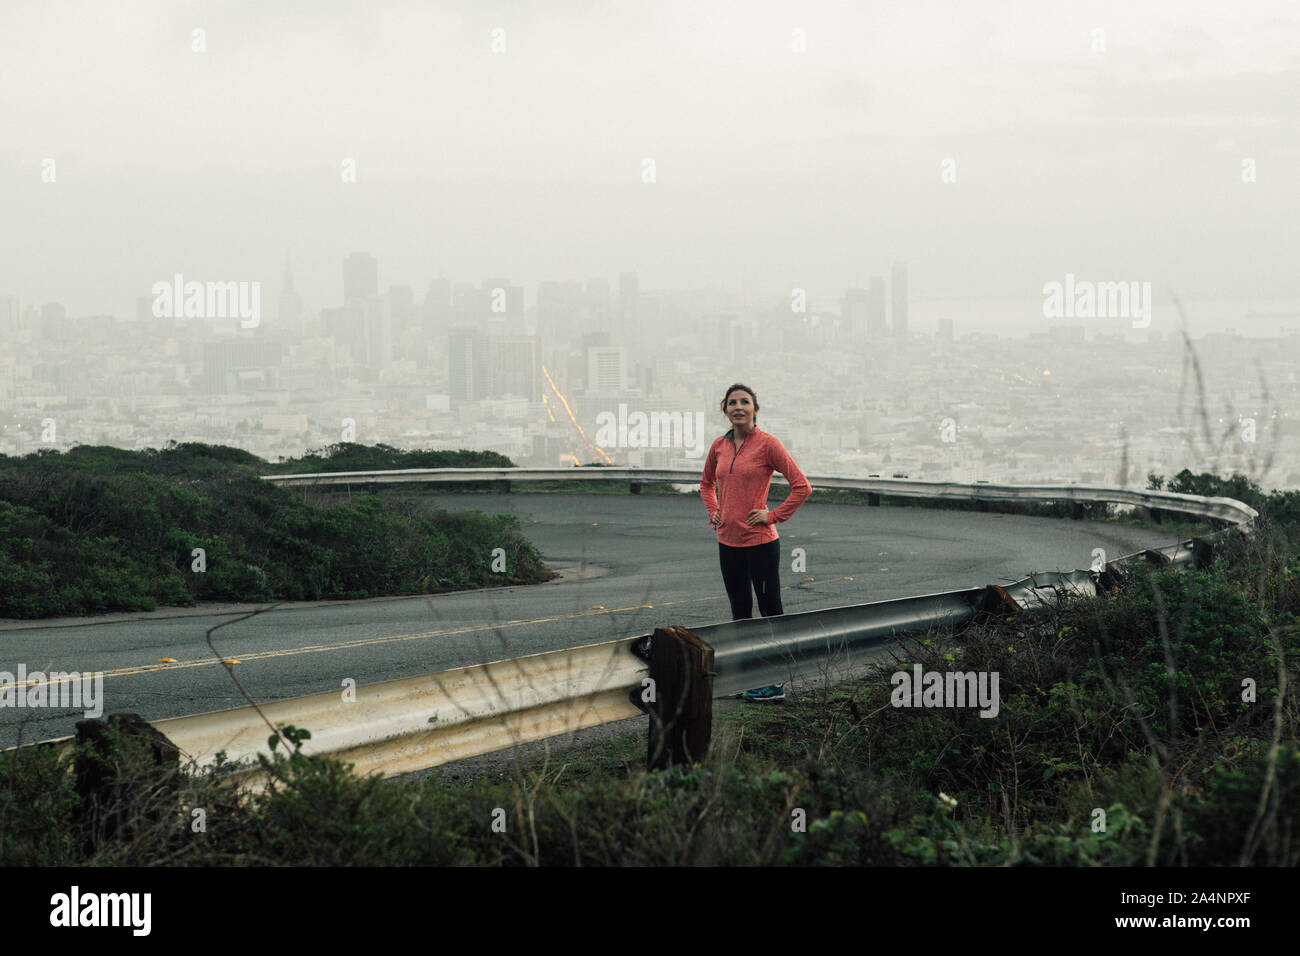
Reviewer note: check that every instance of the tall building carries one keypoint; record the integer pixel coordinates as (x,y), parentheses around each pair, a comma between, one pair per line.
(898,285)
(30,321)
(9,314)
(600,313)
(467,306)
(945,330)
(876,324)
(629,295)
(401,302)
(437,308)
(503,304)
(606,368)
(734,339)
(644,377)
(55,325)
(379,333)
(468,368)
(516,366)
(360,277)
(560,306)
(240,365)
(854,308)
(289,314)
(347,327)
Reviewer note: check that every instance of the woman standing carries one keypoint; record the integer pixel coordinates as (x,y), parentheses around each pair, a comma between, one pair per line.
(740,465)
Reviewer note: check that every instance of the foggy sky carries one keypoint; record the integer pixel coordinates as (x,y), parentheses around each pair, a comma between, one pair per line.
(774,168)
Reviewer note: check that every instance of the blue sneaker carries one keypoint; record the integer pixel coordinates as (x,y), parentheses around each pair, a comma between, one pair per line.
(765,695)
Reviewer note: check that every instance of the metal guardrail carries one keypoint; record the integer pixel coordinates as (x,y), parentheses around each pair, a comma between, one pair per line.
(413,723)
(1222,509)
(409,724)
(764,651)
(769,650)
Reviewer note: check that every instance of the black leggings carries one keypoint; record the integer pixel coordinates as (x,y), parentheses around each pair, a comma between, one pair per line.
(759,564)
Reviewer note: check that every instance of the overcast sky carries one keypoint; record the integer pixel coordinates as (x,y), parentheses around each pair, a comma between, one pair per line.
(773,167)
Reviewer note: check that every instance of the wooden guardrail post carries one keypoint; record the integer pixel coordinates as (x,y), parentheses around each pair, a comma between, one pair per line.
(127,778)
(681,713)
(994,604)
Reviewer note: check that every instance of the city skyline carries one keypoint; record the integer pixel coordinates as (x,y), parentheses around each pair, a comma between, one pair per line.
(1243,314)
(433,222)
(470,366)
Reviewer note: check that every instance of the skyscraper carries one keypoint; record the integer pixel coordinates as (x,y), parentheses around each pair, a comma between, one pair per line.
(347,327)
(734,339)
(379,332)
(504,306)
(468,307)
(437,307)
(854,308)
(599,312)
(360,277)
(629,294)
(606,368)
(8,314)
(289,314)
(876,324)
(55,325)
(401,303)
(517,366)
(899,289)
(468,370)
(560,306)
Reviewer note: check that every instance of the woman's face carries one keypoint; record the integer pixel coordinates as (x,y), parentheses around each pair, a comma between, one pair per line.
(740,409)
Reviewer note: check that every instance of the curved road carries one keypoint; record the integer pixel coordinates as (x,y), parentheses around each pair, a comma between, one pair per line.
(614,551)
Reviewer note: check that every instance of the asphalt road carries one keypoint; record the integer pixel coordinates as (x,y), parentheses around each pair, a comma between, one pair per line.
(617,552)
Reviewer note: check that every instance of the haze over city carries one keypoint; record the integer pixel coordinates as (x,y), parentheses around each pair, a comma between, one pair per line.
(638,433)
(840,205)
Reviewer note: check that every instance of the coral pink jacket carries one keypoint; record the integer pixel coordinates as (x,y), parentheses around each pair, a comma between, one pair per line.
(742,479)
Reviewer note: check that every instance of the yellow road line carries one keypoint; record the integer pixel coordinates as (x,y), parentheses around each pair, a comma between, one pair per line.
(362,642)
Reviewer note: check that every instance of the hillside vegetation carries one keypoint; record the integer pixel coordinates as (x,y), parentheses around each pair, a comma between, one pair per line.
(99,529)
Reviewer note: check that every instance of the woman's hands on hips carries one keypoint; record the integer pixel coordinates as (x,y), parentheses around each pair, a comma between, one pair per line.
(758,516)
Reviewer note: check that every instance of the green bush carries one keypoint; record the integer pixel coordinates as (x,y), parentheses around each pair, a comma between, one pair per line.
(99,529)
